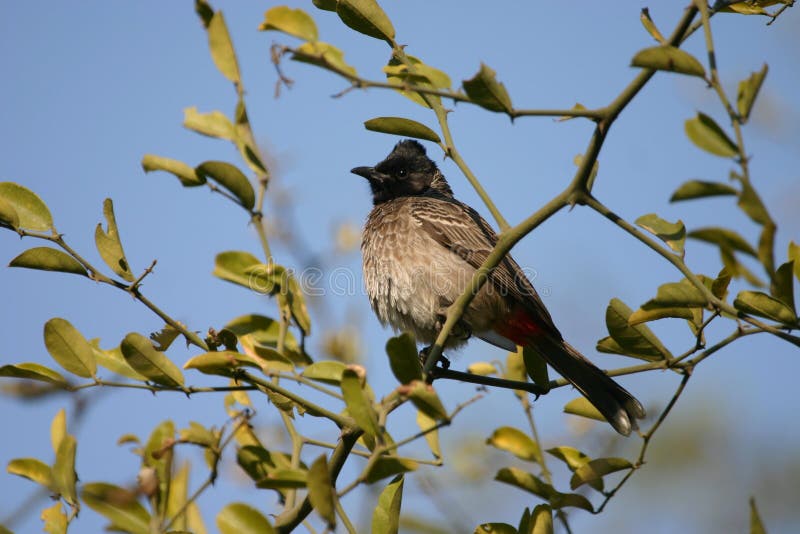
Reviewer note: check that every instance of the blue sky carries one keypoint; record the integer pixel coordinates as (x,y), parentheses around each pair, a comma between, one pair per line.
(91,87)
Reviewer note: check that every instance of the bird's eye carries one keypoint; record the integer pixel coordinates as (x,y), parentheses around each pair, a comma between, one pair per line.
(401,173)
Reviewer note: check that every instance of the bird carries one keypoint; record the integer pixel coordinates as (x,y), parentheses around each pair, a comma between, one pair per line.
(420,248)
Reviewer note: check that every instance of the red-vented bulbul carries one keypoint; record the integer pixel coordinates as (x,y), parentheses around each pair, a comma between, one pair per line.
(421,248)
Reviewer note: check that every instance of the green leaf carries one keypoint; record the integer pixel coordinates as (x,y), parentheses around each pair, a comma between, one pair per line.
(32,469)
(487,92)
(113,360)
(157,457)
(358,405)
(528,482)
(681,294)
(761,304)
(402,127)
(748,91)
(766,245)
(388,466)
(700,189)
(323,55)
(575,459)
(495,528)
(327,5)
(69,348)
(118,505)
(182,171)
(55,520)
(64,476)
(425,424)
(719,287)
(668,58)
(583,408)
(515,441)
(241,518)
(645,316)
(782,285)
(8,214)
(367,17)
(650,26)
(296,302)
(213,124)
(284,479)
(724,238)
(222,52)
(235,266)
(751,204)
(140,354)
(738,269)
(636,340)
(33,371)
(265,331)
(31,211)
(295,22)
(424,397)
(403,358)
(596,470)
(673,234)
(794,255)
(536,367)
(231,178)
(58,429)
(48,259)
(386,516)
(321,492)
(706,134)
(482,368)
(329,372)
(224,362)
(109,245)
(756,525)
(542,519)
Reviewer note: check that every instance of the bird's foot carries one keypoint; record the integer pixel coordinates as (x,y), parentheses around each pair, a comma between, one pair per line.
(442,361)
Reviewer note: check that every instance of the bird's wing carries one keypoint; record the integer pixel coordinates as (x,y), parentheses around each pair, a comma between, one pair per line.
(461,230)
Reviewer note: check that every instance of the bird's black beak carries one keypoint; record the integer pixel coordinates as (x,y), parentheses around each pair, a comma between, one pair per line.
(366,172)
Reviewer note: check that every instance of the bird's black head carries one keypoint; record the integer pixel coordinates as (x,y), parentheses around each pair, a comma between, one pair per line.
(407,171)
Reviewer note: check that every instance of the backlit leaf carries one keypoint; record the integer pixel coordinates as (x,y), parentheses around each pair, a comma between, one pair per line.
(388,466)
(583,408)
(386,516)
(536,367)
(320,491)
(724,238)
(55,520)
(681,294)
(323,55)
(673,234)
(118,505)
(64,476)
(109,245)
(212,124)
(495,528)
(516,442)
(706,134)
(542,519)
(424,397)
(425,423)
(750,202)
(597,469)
(8,214)
(182,171)
(748,91)
(358,405)
(782,284)
(637,340)
(650,26)
(367,17)
(645,316)
(763,305)
(222,52)
(31,212)
(32,469)
(58,429)
(668,58)
(699,189)
(487,92)
(794,255)
(766,246)
(403,358)
(140,354)
(284,479)
(69,348)
(328,371)
(402,127)
(528,482)
(295,22)
(756,525)
(482,368)
(33,371)
(48,259)
(231,178)
(234,266)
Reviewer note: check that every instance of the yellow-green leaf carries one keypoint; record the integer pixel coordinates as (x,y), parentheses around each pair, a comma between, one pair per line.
(179,169)
(222,52)
(482,368)
(402,127)
(55,520)
(763,305)
(231,178)
(118,505)
(327,5)
(33,371)
(583,408)
(388,466)
(109,245)
(495,528)
(213,124)
(235,266)
(650,26)
(32,469)
(69,348)
(700,189)
(668,58)
(295,22)
(542,519)
(328,371)
(367,17)
(515,441)
(140,354)
(223,362)
(297,304)
(794,255)
(536,367)
(48,259)
(707,134)
(64,476)
(487,92)
(358,405)
(58,429)
(424,397)
(403,358)
(113,360)
(284,479)
(323,55)
(596,470)
(750,202)
(386,516)
(528,482)
(673,234)
(724,238)
(321,492)
(782,287)
(31,212)
(636,340)
(748,91)
(425,423)
(681,294)
(8,214)
(756,525)
(645,316)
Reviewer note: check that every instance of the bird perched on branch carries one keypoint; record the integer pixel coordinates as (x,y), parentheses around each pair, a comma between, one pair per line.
(421,248)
